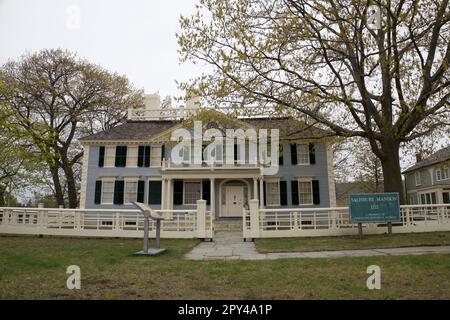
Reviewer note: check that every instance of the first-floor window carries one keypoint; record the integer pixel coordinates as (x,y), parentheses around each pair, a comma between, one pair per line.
(192,192)
(273,193)
(130,191)
(428,198)
(305,192)
(107,192)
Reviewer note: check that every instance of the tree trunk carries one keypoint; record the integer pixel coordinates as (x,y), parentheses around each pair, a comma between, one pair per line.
(71,184)
(390,162)
(57,183)
(2,196)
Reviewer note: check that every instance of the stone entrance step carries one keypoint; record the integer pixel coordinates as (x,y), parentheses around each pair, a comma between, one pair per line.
(228,225)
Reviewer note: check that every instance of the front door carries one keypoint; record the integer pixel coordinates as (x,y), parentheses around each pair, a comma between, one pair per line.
(234,201)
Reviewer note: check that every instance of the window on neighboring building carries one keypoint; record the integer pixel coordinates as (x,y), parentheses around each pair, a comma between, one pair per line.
(155,156)
(130,191)
(107,192)
(192,192)
(428,198)
(442,173)
(302,154)
(273,193)
(186,154)
(412,199)
(305,192)
(418,178)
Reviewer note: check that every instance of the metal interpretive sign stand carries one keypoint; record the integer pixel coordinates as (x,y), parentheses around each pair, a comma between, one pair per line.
(150,213)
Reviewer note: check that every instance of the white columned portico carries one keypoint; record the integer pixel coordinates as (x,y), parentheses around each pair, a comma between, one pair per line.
(213,198)
(261,193)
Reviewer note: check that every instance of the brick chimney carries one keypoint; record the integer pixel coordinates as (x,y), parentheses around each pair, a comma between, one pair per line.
(418,157)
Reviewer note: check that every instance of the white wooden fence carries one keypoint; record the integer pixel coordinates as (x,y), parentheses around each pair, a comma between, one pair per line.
(311,222)
(196,223)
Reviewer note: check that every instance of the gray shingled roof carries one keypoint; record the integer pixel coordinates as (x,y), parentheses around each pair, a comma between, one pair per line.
(438,156)
(144,130)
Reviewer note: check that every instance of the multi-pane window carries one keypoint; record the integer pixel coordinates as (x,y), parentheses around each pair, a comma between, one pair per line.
(186,154)
(428,198)
(107,192)
(273,193)
(418,178)
(130,194)
(155,156)
(192,192)
(302,154)
(305,192)
(442,173)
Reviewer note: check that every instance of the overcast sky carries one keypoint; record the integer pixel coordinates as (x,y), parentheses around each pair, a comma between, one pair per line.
(133,37)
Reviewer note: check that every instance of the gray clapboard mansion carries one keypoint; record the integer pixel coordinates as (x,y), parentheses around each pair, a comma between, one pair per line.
(132,162)
(428,181)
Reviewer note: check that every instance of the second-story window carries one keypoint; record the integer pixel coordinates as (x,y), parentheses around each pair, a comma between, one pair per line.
(121,156)
(155,156)
(144,156)
(418,178)
(302,154)
(441,173)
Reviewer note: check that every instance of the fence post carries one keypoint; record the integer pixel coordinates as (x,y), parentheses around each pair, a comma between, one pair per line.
(201,219)
(408,217)
(334,217)
(254,218)
(117,221)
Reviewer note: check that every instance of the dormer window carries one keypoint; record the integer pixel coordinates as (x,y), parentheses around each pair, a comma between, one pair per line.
(418,178)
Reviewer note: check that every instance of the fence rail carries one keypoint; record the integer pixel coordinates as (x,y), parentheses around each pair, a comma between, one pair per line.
(196,223)
(309,222)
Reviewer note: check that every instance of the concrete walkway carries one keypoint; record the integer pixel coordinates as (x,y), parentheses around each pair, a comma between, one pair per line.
(229,246)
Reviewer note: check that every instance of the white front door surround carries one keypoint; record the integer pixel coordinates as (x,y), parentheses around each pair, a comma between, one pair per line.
(234,201)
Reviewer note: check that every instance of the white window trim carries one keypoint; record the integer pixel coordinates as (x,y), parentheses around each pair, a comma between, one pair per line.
(298,186)
(184,190)
(298,154)
(417,174)
(113,180)
(279,191)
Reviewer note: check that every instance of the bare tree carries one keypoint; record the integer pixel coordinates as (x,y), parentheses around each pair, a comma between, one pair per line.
(53,98)
(331,60)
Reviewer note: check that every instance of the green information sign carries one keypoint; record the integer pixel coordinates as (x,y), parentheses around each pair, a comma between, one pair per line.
(374,207)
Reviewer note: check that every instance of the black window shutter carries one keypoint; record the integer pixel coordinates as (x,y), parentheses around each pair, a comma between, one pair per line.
(294,192)
(178,192)
(206,188)
(140,193)
(147,156)
(118,191)
(141,156)
(312,154)
(154,192)
(265,193)
(280,155)
(316,192)
(163,151)
(293,153)
(101,156)
(98,192)
(283,193)
(235,152)
(121,156)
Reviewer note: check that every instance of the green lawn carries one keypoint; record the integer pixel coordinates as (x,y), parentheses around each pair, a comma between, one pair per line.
(33,267)
(352,242)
